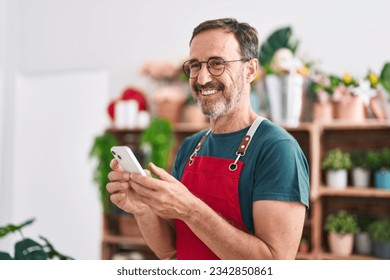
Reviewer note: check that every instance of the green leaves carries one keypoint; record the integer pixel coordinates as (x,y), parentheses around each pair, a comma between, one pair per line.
(159,138)
(12,228)
(385,77)
(335,159)
(28,249)
(101,150)
(281,38)
(341,222)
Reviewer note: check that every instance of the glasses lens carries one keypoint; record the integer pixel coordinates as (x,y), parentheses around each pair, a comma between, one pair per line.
(191,68)
(216,66)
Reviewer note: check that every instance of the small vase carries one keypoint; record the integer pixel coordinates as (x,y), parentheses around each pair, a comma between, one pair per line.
(341,244)
(360,177)
(352,110)
(323,112)
(363,243)
(382,179)
(337,178)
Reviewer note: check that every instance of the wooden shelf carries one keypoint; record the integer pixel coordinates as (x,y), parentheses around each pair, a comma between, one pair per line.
(355,192)
(329,256)
(117,239)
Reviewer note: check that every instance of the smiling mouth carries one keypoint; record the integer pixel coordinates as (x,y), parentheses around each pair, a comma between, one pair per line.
(209,92)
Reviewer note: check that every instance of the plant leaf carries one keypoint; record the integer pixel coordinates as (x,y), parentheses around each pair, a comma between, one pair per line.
(281,38)
(5,256)
(385,77)
(28,249)
(12,228)
(53,253)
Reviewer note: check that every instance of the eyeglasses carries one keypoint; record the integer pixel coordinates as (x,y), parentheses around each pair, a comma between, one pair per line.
(215,65)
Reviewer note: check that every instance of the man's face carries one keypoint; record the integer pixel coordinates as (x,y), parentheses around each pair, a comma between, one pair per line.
(217,96)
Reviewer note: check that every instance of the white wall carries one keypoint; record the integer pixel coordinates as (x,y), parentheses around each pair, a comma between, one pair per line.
(120,35)
(44,37)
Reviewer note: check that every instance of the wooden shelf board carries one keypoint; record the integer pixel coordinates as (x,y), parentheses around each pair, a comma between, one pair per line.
(354,192)
(361,125)
(330,256)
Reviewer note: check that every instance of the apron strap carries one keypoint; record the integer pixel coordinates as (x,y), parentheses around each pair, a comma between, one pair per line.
(241,148)
(245,142)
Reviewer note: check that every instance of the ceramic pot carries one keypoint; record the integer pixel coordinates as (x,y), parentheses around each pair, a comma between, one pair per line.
(337,178)
(341,244)
(360,177)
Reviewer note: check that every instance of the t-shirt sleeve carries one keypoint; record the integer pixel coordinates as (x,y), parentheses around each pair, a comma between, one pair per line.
(282,173)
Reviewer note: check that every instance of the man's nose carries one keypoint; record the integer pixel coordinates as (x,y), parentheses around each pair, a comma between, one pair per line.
(204,75)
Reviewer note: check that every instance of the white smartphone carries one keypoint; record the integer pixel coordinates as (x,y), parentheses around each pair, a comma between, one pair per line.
(127,159)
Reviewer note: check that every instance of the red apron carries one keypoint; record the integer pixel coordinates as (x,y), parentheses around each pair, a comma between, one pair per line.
(215,181)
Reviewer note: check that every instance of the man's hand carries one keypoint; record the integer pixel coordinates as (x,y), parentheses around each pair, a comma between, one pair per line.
(122,195)
(166,196)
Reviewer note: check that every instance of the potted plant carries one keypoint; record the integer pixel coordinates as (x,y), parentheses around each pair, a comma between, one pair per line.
(361,168)
(382,169)
(341,228)
(28,249)
(157,142)
(336,163)
(362,238)
(101,152)
(303,245)
(380,234)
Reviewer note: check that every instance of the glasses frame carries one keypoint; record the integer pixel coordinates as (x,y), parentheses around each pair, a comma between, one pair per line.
(208,67)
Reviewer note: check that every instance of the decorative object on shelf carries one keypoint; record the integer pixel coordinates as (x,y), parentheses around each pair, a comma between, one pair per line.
(129,111)
(336,163)
(101,152)
(28,249)
(284,76)
(380,235)
(157,141)
(384,91)
(362,237)
(303,245)
(192,113)
(341,228)
(172,89)
(381,166)
(362,162)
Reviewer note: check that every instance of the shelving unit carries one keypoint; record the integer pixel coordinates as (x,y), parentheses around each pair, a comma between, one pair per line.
(315,140)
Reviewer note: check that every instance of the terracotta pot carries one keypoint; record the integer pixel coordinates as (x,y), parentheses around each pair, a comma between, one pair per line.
(323,112)
(193,114)
(352,109)
(341,244)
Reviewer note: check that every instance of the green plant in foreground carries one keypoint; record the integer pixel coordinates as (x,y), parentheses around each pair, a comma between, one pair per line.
(28,249)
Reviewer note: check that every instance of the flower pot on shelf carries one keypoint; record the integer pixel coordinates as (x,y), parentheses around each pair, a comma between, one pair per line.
(337,179)
(360,177)
(323,111)
(341,228)
(351,108)
(382,179)
(341,244)
(285,93)
(363,243)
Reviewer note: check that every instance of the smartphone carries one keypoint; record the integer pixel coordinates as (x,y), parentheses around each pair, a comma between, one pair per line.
(127,159)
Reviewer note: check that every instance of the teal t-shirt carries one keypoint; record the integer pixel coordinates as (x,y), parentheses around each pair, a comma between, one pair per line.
(275,168)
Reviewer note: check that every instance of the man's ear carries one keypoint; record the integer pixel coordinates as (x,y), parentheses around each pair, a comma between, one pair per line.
(253,68)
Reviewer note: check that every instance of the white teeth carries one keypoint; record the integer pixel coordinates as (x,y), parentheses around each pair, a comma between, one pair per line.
(209,92)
